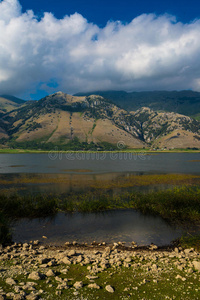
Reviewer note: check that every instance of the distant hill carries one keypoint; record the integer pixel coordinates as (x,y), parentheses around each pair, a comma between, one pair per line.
(92,122)
(182,102)
(13,99)
(8,103)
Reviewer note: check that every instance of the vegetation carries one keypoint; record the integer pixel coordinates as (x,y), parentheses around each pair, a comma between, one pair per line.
(177,204)
(73,145)
(129,283)
(183,102)
(190,241)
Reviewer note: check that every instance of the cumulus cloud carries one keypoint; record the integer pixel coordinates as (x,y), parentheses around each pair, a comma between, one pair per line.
(72,54)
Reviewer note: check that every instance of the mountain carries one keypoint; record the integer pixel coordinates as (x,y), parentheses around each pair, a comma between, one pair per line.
(182,102)
(71,121)
(8,103)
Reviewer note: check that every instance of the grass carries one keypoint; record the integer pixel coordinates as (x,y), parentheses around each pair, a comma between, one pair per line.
(135,150)
(176,205)
(179,205)
(190,241)
(128,283)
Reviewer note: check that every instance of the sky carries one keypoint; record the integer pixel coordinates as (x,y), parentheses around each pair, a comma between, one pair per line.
(79,46)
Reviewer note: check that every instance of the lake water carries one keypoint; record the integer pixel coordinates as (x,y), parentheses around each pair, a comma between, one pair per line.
(96,163)
(76,171)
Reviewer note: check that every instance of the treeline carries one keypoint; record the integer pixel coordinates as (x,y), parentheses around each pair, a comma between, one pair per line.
(72,145)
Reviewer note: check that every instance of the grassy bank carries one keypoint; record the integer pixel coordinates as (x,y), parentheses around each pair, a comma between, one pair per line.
(177,204)
(15,151)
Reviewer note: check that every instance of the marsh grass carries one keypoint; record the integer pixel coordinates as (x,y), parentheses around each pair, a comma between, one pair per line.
(190,241)
(176,204)
(180,205)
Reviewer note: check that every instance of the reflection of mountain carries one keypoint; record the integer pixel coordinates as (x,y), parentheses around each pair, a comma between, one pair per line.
(61,119)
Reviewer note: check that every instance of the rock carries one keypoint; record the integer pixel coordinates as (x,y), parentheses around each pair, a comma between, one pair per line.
(32,297)
(67,244)
(79,259)
(187,251)
(109,289)
(72,253)
(58,293)
(35,276)
(50,273)
(10,281)
(36,242)
(196,265)
(153,247)
(180,277)
(93,286)
(90,277)
(18,297)
(66,261)
(107,249)
(78,284)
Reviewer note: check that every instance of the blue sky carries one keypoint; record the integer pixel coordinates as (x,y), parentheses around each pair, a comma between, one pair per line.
(74,46)
(100,11)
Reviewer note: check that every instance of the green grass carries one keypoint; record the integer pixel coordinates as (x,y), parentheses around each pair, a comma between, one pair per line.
(177,205)
(190,241)
(127,282)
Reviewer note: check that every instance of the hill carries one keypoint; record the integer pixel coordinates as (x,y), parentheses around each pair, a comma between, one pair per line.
(8,103)
(182,102)
(92,122)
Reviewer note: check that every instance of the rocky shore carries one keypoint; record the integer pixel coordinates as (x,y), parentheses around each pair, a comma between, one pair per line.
(98,271)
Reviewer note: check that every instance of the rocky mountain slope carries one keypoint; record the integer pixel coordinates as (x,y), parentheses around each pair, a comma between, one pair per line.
(182,102)
(60,119)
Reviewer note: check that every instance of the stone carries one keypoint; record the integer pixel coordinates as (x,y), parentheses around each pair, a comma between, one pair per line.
(93,286)
(36,242)
(10,281)
(35,276)
(90,277)
(188,251)
(107,249)
(50,273)
(66,261)
(109,289)
(196,265)
(32,297)
(72,253)
(78,284)
(79,259)
(17,297)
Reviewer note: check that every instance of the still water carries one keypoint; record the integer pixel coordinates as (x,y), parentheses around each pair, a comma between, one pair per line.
(94,163)
(122,225)
(78,171)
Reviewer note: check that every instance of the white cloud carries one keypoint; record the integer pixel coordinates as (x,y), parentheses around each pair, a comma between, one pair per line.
(152,52)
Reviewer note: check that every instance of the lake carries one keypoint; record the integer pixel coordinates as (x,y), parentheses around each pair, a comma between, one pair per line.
(58,172)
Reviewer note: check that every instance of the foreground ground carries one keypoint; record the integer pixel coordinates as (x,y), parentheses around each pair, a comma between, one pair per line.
(32,271)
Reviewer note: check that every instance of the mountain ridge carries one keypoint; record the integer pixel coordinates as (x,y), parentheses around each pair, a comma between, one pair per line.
(183,102)
(62,119)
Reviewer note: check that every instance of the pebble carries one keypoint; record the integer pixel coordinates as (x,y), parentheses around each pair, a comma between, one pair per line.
(109,289)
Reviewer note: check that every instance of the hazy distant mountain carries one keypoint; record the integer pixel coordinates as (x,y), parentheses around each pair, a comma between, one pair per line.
(62,119)
(8,103)
(182,102)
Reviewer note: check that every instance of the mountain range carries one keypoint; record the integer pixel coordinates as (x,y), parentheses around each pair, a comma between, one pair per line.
(95,122)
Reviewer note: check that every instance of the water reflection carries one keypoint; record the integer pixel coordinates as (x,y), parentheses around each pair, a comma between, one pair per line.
(113,226)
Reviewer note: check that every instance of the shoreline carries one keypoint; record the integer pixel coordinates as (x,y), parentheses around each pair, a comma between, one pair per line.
(146,151)
(33,271)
